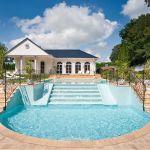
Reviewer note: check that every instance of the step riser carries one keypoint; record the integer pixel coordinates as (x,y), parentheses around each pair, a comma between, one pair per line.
(75,103)
(75,93)
(75,84)
(71,96)
(75,88)
(76,99)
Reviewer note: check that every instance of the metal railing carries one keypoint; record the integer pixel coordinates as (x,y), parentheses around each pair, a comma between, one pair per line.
(139,87)
(10,83)
(129,78)
(9,86)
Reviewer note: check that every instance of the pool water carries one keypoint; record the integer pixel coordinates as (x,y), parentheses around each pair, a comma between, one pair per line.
(74,122)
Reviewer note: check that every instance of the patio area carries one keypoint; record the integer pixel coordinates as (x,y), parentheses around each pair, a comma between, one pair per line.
(137,141)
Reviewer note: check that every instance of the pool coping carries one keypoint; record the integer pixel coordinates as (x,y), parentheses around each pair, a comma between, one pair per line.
(74,144)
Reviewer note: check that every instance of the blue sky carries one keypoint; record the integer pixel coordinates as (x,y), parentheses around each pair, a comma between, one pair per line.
(18,19)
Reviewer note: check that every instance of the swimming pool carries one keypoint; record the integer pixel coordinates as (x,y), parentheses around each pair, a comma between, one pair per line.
(115,112)
(75,122)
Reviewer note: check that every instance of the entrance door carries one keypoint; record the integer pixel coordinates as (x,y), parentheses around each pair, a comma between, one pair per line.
(42,67)
(59,68)
(68,67)
(78,67)
(87,68)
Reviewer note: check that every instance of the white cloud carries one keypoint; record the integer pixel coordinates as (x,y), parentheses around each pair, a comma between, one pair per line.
(89,51)
(134,8)
(93,53)
(107,59)
(67,27)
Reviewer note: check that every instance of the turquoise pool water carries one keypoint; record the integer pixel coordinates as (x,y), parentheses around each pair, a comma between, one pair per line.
(74,122)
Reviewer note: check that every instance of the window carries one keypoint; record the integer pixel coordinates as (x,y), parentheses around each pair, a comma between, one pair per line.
(59,68)
(68,67)
(77,67)
(87,67)
(27,46)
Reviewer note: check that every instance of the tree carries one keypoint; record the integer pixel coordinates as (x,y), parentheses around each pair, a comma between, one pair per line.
(115,51)
(147,2)
(122,60)
(147,69)
(136,38)
(29,69)
(3,50)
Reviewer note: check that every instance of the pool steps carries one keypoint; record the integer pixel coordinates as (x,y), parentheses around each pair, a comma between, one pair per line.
(27,93)
(75,94)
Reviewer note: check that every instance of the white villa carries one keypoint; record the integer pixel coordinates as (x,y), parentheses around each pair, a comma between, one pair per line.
(58,61)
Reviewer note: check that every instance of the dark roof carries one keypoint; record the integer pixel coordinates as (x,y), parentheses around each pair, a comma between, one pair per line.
(69,53)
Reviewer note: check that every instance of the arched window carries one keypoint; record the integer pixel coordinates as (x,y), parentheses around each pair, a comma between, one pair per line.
(77,67)
(68,67)
(59,68)
(87,67)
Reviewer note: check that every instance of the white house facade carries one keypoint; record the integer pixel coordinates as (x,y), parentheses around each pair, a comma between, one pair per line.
(52,61)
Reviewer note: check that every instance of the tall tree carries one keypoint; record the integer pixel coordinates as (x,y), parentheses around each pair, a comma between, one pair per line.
(147,2)
(136,37)
(3,50)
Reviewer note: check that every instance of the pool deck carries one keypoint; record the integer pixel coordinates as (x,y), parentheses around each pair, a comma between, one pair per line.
(138,140)
(76,76)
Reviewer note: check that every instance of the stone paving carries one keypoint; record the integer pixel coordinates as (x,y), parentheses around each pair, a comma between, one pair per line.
(142,143)
(9,141)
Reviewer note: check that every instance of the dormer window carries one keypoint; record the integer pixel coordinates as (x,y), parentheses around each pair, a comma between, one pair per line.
(27,46)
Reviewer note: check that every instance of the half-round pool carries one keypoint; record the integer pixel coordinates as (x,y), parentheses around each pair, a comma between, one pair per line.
(74,122)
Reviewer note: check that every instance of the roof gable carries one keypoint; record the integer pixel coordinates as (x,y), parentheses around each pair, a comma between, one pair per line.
(26,48)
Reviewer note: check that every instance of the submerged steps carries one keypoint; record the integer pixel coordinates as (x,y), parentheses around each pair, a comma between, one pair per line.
(75,91)
(78,93)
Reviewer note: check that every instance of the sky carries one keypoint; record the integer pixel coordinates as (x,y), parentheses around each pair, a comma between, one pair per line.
(89,25)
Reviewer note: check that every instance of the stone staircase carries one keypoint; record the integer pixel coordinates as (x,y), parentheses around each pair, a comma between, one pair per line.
(10,90)
(2,98)
(147,99)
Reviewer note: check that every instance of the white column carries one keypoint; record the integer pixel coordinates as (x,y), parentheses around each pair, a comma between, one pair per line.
(21,65)
(91,68)
(35,65)
(82,67)
(63,68)
(16,65)
(73,68)
(94,68)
